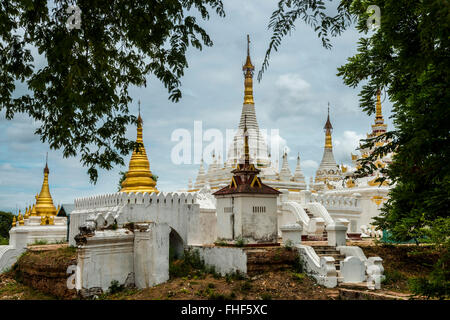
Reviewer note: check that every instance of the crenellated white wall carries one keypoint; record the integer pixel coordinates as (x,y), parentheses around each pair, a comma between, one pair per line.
(175,209)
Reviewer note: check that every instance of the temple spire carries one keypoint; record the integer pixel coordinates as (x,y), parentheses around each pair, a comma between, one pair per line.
(248,69)
(246,148)
(379,127)
(379,115)
(328,129)
(139,177)
(44,201)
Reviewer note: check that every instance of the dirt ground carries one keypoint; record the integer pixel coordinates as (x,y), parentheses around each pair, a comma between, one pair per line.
(285,285)
(400,262)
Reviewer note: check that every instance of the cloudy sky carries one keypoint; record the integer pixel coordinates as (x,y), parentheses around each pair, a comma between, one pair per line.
(292,97)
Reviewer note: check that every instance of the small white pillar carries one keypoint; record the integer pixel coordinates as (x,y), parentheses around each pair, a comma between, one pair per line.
(336,234)
(151,254)
(353,270)
(305,197)
(291,233)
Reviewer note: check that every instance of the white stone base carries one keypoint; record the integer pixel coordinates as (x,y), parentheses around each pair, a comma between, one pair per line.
(32,231)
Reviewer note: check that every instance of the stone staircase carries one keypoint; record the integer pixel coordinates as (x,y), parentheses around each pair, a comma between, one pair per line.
(329,251)
(324,235)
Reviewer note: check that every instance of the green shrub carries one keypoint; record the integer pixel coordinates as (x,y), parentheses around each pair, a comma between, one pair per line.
(6,219)
(115,287)
(3,241)
(298,276)
(266,296)
(246,286)
(191,266)
(40,242)
(393,277)
(437,283)
(299,265)
(240,242)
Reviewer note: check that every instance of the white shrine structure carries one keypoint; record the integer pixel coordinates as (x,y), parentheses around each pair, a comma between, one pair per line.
(128,236)
(39,224)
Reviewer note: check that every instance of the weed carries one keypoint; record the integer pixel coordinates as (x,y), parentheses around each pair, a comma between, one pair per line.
(392,277)
(299,265)
(40,242)
(246,286)
(288,244)
(240,242)
(220,242)
(115,287)
(298,276)
(266,296)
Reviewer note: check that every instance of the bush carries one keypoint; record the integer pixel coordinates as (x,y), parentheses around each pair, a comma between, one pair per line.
(3,241)
(240,242)
(246,286)
(299,265)
(115,287)
(266,296)
(298,276)
(393,277)
(6,219)
(191,265)
(437,283)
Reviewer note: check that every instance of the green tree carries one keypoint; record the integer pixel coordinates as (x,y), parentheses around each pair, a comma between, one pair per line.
(408,56)
(6,219)
(80,95)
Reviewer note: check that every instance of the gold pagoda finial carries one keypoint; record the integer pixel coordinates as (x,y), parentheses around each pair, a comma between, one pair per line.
(139,176)
(14,221)
(248,69)
(328,129)
(20,219)
(44,202)
(379,115)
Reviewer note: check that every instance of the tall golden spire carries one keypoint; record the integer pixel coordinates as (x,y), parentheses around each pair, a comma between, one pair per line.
(139,176)
(379,127)
(328,129)
(44,202)
(379,115)
(248,69)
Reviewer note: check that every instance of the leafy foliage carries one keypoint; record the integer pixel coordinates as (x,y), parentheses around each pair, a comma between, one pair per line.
(407,56)
(437,283)
(80,95)
(315,14)
(6,219)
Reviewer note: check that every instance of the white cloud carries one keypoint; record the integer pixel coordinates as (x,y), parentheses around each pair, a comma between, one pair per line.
(309,164)
(346,144)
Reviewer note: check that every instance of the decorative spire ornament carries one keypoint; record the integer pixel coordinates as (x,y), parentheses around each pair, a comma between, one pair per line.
(44,201)
(139,177)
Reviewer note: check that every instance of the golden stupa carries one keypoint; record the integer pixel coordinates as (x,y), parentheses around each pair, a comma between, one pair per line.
(139,176)
(44,202)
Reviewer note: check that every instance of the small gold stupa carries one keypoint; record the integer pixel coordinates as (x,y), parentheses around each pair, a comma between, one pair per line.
(139,176)
(44,202)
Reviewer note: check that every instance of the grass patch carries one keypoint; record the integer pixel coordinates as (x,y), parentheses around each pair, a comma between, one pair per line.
(240,242)
(393,276)
(298,276)
(191,266)
(3,241)
(39,242)
(246,286)
(266,296)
